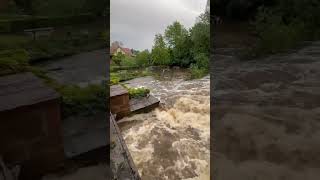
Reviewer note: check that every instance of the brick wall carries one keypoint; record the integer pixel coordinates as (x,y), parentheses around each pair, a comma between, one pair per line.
(31,136)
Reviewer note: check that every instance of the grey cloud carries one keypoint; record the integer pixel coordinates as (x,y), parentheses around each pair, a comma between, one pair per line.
(135,22)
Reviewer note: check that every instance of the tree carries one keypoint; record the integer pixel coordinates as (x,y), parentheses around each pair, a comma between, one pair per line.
(200,35)
(143,58)
(160,54)
(179,44)
(118,58)
(175,33)
(128,61)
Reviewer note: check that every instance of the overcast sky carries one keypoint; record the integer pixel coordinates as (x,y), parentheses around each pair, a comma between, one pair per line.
(135,22)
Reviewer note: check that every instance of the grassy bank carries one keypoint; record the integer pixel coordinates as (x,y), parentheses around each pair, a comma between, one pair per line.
(62,42)
(84,101)
(125,75)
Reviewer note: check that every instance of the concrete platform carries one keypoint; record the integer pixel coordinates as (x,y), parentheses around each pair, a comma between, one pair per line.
(143,105)
(84,134)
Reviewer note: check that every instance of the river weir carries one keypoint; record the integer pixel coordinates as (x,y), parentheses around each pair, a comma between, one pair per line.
(171,142)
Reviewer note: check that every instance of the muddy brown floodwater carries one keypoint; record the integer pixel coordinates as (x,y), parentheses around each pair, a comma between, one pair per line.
(172,142)
(266,115)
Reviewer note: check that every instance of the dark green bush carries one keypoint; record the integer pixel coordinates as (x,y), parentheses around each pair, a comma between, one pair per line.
(129,61)
(198,72)
(286,24)
(202,60)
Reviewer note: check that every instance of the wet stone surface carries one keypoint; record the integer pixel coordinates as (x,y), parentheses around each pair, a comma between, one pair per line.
(143,104)
(81,69)
(122,166)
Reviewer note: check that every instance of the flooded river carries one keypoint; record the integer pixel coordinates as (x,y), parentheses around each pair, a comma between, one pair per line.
(171,142)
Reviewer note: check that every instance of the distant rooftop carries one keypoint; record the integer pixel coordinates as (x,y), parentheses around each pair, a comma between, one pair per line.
(22,90)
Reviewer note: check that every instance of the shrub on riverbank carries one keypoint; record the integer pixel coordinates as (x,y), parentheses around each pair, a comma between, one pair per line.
(198,72)
(82,101)
(137,92)
(114,79)
(125,75)
(286,24)
(200,68)
(128,61)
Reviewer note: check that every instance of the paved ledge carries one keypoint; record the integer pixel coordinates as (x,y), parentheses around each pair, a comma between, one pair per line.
(122,165)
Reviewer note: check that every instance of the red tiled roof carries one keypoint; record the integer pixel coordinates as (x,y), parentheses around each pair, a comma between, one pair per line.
(127,51)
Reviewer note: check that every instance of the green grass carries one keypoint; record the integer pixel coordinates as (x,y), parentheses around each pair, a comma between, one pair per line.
(13,61)
(114,79)
(82,101)
(137,92)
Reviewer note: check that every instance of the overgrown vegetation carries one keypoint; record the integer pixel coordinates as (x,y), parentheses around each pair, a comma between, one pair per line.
(13,61)
(124,75)
(286,24)
(82,101)
(64,41)
(78,25)
(178,46)
(137,92)
(279,24)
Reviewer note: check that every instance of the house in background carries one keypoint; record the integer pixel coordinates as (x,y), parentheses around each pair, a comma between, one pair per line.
(124,51)
(116,48)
